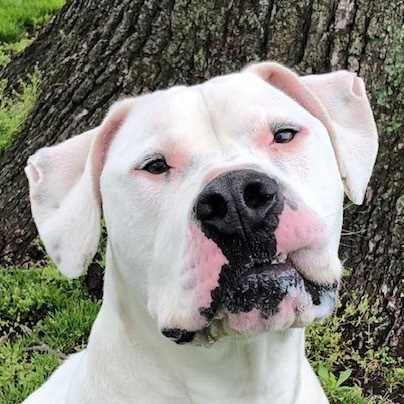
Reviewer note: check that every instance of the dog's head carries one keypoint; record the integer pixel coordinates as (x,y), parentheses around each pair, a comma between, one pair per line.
(222,201)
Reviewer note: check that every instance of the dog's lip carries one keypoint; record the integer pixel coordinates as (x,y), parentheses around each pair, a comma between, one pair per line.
(283,262)
(278,263)
(278,267)
(256,269)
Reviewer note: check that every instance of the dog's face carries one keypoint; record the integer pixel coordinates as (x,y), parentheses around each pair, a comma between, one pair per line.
(223,206)
(230,206)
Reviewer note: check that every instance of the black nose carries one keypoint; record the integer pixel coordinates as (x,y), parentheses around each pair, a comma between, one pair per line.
(239,203)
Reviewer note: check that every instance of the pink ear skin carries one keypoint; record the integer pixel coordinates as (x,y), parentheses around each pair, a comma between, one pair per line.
(32,172)
(64,192)
(339,101)
(107,132)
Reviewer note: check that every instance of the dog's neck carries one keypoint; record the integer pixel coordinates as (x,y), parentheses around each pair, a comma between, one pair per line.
(243,368)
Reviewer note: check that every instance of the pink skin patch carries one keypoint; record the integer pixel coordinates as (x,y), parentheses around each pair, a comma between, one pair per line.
(298,229)
(103,140)
(177,160)
(205,264)
(264,140)
(32,172)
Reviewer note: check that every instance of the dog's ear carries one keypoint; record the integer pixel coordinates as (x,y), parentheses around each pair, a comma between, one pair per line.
(339,101)
(65,192)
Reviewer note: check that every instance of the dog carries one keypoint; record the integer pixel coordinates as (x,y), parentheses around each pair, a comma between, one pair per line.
(223,208)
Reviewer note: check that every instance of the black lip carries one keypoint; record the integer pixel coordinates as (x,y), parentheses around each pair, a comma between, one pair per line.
(314,290)
(317,290)
(262,287)
(179,336)
(258,269)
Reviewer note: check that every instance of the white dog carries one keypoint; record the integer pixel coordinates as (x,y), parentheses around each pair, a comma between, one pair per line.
(223,206)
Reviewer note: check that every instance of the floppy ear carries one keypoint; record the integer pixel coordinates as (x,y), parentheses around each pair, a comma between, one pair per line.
(65,192)
(339,101)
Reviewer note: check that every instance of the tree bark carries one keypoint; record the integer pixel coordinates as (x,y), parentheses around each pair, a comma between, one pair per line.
(95,51)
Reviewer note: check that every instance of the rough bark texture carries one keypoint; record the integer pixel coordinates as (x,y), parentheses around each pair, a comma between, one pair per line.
(95,51)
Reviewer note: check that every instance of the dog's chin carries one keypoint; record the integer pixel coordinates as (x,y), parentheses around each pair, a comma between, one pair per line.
(293,312)
(268,298)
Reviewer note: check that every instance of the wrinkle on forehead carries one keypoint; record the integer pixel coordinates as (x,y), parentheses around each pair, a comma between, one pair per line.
(209,113)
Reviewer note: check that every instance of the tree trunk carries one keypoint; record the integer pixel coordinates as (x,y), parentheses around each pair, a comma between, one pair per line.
(95,51)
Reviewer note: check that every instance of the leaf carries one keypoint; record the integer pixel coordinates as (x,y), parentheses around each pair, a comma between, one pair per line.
(343,376)
(323,372)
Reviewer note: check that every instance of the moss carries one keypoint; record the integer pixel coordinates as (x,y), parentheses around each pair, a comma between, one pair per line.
(9,49)
(15,108)
(394,67)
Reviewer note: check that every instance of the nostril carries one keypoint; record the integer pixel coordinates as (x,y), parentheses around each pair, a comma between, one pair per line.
(212,206)
(256,195)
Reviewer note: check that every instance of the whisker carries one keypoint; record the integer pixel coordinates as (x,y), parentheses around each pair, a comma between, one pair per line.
(348,205)
(345,245)
(352,233)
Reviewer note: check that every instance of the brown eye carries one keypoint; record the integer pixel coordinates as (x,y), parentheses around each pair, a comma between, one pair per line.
(284,135)
(158,166)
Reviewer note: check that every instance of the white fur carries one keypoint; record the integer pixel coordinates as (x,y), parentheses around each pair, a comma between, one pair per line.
(214,127)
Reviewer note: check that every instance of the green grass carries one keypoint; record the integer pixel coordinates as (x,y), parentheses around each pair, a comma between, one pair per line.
(43,317)
(18,16)
(339,363)
(19,20)
(15,108)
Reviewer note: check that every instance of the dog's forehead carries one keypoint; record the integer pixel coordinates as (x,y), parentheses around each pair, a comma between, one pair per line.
(237,97)
(208,116)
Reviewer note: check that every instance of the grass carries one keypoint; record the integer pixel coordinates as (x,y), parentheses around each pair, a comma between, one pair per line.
(336,359)
(38,308)
(19,20)
(43,317)
(19,16)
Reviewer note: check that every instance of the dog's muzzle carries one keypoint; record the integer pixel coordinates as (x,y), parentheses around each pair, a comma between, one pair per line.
(239,211)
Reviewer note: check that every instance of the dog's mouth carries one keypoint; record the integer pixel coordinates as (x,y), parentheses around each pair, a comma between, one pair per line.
(262,286)
(262,297)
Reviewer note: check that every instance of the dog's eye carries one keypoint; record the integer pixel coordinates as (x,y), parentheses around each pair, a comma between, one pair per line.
(284,135)
(158,166)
